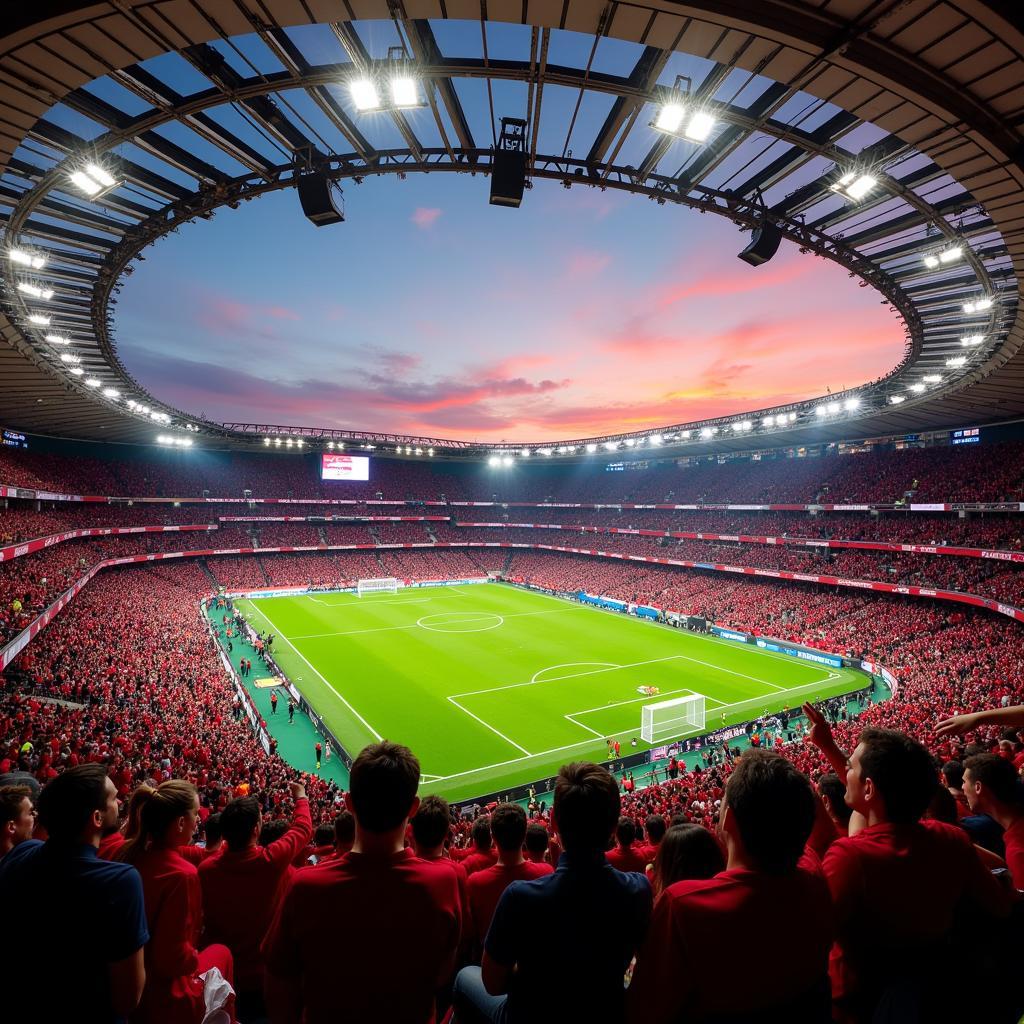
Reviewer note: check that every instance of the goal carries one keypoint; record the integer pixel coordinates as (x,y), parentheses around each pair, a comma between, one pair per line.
(669,719)
(387,585)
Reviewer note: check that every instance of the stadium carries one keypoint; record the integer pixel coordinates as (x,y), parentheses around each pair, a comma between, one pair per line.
(439,583)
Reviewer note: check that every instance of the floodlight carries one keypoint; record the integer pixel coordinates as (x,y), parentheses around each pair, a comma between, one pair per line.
(747,425)
(851,403)
(97,173)
(670,117)
(57,339)
(266,440)
(978,305)
(969,340)
(611,445)
(951,254)
(685,435)
(404,92)
(507,460)
(896,399)
(277,441)
(68,357)
(364,94)
(855,185)
(92,382)
(430,452)
(77,371)
(699,126)
(591,448)
(330,444)
(768,421)
(111,393)
(26,258)
(833,408)
(820,410)
(548,451)
(932,378)
(418,451)
(956,361)
(300,442)
(525,453)
(630,442)
(494,460)
(35,290)
(931,262)
(39,320)
(706,432)
(562,450)
(86,184)
(654,439)
(917,388)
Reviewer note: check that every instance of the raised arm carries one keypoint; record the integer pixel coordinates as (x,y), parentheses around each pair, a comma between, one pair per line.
(959,724)
(821,736)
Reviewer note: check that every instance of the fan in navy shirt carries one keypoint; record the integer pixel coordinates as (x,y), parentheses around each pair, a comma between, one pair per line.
(83,918)
(550,954)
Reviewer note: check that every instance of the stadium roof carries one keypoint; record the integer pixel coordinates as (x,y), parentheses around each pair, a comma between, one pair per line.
(807,99)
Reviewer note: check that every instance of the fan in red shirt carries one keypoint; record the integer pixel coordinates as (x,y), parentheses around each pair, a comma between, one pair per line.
(484,854)
(508,826)
(395,918)
(344,829)
(781,974)
(537,842)
(624,855)
(897,883)
(242,885)
(992,787)
(174,992)
(655,827)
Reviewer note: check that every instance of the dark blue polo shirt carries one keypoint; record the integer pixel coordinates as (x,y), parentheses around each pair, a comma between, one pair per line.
(72,915)
(572,935)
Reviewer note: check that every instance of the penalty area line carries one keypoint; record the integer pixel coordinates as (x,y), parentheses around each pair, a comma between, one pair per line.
(487,725)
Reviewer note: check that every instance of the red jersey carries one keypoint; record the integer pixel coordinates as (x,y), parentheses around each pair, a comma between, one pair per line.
(241,891)
(895,889)
(401,930)
(477,861)
(109,845)
(627,858)
(485,887)
(1013,841)
(681,965)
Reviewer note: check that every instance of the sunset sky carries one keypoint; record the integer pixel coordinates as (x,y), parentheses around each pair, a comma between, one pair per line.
(431,312)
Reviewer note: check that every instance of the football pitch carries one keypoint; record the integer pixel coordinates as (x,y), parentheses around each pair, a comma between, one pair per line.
(493,686)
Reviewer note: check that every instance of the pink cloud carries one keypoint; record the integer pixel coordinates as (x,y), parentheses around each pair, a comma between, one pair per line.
(587,263)
(734,284)
(425,216)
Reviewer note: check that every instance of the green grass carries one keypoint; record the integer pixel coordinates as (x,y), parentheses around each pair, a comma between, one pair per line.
(493,686)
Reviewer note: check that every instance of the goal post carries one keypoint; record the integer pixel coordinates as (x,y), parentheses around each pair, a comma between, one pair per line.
(386,585)
(669,719)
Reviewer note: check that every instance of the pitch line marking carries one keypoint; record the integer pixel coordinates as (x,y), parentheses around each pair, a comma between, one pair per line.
(586,743)
(487,725)
(475,617)
(270,621)
(664,693)
(599,735)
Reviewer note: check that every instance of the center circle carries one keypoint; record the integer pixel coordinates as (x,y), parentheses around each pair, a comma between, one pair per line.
(460,622)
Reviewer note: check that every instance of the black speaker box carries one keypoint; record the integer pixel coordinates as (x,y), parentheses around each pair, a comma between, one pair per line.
(508,177)
(316,194)
(763,245)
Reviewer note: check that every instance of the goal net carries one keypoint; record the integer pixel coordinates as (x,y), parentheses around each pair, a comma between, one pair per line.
(669,719)
(388,585)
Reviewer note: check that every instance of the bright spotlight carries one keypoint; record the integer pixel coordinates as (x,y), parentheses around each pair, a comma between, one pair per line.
(591,448)
(917,388)
(68,357)
(26,258)
(699,127)
(670,117)
(58,339)
(896,399)
(97,173)
(851,403)
(77,371)
(92,382)
(706,432)
(854,185)
(86,184)
(525,453)
(404,92)
(978,305)
(951,255)
(35,290)
(611,445)
(111,393)
(266,440)
(820,410)
(931,378)
(833,408)
(654,439)
(94,180)
(956,361)
(38,320)
(494,460)
(364,94)
(685,435)
(630,442)
(970,340)
(507,460)
(931,262)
